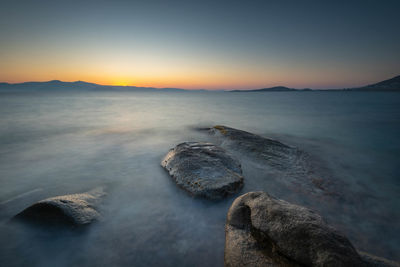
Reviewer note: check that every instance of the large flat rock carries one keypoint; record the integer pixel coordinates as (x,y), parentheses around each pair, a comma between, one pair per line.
(68,210)
(287,166)
(274,152)
(203,169)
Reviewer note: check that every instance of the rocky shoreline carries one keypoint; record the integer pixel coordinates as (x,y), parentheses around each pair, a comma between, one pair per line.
(260,230)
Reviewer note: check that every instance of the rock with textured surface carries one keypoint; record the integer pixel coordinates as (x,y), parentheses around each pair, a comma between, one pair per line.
(286,167)
(73,210)
(374,261)
(273,152)
(264,231)
(203,169)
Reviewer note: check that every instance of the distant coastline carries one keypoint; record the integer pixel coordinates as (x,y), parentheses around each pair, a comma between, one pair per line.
(392,85)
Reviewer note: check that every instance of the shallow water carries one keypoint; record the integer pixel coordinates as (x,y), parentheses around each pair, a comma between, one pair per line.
(61,143)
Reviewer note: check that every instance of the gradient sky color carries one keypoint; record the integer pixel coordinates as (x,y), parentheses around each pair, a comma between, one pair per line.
(201,44)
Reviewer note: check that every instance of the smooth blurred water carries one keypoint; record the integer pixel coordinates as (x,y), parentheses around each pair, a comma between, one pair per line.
(61,143)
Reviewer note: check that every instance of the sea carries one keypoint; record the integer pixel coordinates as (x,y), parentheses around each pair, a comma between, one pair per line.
(57,143)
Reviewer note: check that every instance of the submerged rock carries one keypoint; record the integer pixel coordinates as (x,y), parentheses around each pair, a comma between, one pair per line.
(264,231)
(288,167)
(274,152)
(69,210)
(374,261)
(203,169)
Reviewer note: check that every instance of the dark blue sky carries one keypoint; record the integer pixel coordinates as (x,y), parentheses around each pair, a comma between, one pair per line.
(201,44)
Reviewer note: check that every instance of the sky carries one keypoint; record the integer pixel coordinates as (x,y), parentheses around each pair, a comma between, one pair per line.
(201,44)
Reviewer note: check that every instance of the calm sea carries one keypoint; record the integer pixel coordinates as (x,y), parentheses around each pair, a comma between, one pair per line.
(61,143)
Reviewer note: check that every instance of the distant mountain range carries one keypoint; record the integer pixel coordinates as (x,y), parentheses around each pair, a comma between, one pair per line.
(57,85)
(273,89)
(392,84)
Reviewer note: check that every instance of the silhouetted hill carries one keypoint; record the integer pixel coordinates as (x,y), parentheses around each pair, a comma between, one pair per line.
(57,85)
(392,84)
(272,89)
(54,85)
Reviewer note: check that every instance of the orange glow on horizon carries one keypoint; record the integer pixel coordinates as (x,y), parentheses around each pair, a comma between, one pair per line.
(213,83)
(160,69)
(167,70)
(163,75)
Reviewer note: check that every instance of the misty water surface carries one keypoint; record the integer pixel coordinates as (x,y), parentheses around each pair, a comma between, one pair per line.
(61,143)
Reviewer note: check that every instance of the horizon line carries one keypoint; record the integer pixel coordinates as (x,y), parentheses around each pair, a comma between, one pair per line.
(198,89)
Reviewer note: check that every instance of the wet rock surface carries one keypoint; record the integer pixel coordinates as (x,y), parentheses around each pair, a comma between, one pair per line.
(289,167)
(75,210)
(267,149)
(264,231)
(374,261)
(204,170)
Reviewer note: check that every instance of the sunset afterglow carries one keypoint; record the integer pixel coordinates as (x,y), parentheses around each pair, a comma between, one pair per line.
(178,45)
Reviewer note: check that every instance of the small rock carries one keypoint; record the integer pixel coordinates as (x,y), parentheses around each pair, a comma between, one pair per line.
(69,210)
(204,169)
